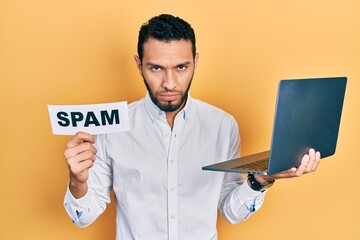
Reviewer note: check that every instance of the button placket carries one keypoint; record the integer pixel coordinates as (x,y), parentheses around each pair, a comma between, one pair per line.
(172,193)
(171,146)
(172,179)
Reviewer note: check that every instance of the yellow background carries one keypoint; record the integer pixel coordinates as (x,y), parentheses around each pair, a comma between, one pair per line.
(76,52)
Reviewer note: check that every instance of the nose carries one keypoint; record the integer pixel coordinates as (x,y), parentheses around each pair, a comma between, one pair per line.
(169,80)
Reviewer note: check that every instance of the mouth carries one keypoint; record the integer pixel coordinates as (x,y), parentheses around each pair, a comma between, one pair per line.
(168,97)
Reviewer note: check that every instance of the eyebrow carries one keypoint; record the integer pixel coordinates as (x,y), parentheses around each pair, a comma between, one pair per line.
(153,64)
(158,65)
(185,63)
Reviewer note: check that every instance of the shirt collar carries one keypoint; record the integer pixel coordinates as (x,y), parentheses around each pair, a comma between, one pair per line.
(155,113)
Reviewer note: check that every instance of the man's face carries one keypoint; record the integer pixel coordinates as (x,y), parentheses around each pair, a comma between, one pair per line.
(167,69)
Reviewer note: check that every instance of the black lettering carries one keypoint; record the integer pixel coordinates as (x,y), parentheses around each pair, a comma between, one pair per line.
(76,117)
(91,119)
(62,116)
(110,119)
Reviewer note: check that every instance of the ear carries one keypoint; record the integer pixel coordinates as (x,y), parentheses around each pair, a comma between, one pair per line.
(138,63)
(196,59)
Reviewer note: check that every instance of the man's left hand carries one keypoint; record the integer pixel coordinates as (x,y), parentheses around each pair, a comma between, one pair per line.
(309,163)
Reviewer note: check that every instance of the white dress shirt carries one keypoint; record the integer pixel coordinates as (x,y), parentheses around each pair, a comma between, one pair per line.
(160,189)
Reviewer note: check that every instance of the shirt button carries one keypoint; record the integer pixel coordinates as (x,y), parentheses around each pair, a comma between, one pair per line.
(167,134)
(172,189)
(173,216)
(172,161)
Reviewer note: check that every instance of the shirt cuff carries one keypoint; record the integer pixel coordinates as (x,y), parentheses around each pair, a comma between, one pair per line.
(78,202)
(78,209)
(248,194)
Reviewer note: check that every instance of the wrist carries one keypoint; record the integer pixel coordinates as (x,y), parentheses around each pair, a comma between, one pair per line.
(78,190)
(258,183)
(260,179)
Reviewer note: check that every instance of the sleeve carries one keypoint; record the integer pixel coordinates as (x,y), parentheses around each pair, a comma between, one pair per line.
(237,200)
(86,210)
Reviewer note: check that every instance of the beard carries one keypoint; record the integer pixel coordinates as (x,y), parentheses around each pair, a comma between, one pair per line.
(169,106)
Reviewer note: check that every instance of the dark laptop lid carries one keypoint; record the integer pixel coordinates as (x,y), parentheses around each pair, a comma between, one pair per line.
(307,114)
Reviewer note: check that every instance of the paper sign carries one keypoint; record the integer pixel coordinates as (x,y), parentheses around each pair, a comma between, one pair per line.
(93,118)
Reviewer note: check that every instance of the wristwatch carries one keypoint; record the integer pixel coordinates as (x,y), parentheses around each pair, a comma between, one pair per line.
(255,185)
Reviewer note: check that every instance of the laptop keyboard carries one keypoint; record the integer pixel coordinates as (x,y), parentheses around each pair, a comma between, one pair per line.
(258,166)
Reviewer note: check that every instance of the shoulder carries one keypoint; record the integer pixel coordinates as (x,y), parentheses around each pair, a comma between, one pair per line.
(209,113)
(206,109)
(136,103)
(136,107)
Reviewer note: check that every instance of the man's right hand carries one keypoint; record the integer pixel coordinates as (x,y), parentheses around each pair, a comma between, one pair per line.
(80,156)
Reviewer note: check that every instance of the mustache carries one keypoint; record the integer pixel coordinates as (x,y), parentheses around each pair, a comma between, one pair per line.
(170,91)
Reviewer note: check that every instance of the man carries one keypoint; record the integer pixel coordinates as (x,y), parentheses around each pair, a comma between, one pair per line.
(155,169)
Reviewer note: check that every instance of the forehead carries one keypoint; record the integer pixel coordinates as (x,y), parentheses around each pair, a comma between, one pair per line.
(170,51)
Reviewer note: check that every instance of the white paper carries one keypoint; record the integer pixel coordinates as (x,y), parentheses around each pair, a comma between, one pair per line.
(92,118)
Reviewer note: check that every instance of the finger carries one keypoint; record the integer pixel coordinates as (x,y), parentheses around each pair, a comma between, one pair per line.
(312,161)
(86,146)
(317,160)
(87,164)
(79,138)
(312,153)
(87,155)
(81,168)
(304,164)
(80,163)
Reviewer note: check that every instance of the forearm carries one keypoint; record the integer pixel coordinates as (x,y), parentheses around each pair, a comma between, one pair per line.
(85,210)
(237,200)
(89,190)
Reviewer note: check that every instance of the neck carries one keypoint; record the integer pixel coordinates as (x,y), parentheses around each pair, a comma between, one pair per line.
(170,116)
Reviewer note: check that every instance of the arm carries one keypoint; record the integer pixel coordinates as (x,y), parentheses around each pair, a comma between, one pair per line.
(237,200)
(90,180)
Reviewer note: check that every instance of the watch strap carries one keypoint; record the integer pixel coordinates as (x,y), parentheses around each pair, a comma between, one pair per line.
(255,185)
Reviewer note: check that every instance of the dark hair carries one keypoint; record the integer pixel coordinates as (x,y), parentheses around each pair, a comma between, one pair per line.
(166,28)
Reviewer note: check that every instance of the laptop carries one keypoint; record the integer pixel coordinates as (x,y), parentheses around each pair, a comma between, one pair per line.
(307,115)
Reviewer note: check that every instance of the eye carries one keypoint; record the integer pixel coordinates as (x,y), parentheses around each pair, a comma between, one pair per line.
(181,67)
(155,68)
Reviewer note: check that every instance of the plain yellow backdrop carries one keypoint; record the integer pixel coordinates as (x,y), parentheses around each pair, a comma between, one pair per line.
(81,51)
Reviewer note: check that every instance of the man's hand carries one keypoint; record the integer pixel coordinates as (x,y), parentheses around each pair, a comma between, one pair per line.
(80,156)
(309,163)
